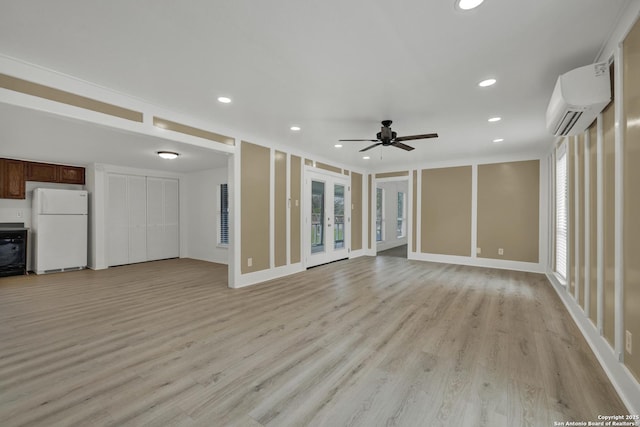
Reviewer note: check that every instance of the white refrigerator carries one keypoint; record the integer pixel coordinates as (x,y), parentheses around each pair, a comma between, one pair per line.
(59,230)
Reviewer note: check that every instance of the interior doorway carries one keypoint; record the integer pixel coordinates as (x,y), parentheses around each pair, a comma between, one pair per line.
(391,216)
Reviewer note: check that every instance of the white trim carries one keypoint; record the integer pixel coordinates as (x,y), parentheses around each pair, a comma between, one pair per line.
(419,213)
(587,223)
(627,18)
(619,205)
(358,253)
(235,261)
(474,211)
(623,381)
(410,216)
(480,262)
(576,217)
(257,277)
(600,225)
(537,154)
(544,195)
(552,213)
(272,206)
(288,210)
(373,250)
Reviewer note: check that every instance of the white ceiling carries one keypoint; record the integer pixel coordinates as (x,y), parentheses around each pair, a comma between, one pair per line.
(335,68)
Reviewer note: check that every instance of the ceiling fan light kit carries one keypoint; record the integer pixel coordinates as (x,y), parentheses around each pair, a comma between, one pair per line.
(387,137)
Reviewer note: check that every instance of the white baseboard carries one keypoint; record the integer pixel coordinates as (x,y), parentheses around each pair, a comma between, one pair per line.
(479,262)
(265,275)
(623,380)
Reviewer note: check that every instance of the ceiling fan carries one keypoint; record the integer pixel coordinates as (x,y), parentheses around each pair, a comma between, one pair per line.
(388,137)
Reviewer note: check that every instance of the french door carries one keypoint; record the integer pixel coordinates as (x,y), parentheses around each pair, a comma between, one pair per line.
(327,217)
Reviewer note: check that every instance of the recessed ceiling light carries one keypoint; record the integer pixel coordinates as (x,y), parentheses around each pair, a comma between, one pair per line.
(338,145)
(224,99)
(468,4)
(486,83)
(498,140)
(169,155)
(366,157)
(495,119)
(295,128)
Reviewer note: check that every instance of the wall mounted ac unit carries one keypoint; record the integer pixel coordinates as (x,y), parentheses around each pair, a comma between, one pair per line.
(577,99)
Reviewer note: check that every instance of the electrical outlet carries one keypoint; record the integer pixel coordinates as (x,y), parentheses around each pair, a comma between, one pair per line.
(249,262)
(478,251)
(19,214)
(500,251)
(627,341)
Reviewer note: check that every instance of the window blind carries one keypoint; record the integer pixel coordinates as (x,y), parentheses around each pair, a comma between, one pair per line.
(401,228)
(561,211)
(224,215)
(379,218)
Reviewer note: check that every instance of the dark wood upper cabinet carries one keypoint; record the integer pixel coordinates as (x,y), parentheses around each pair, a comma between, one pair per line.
(70,175)
(42,172)
(12,180)
(14,174)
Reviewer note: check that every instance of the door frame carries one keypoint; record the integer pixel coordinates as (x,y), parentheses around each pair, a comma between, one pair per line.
(332,178)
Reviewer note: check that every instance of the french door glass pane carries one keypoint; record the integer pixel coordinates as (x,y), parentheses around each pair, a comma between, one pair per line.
(317,217)
(338,216)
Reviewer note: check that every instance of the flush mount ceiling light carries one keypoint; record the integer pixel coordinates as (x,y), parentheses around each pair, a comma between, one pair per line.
(468,4)
(498,140)
(487,83)
(495,119)
(224,99)
(168,155)
(338,145)
(295,128)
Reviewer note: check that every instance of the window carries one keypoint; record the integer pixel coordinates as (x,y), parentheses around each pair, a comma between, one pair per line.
(223,215)
(401,228)
(379,212)
(561,211)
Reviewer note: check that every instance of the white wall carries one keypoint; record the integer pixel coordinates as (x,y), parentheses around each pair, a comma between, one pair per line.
(14,210)
(202,207)
(390,214)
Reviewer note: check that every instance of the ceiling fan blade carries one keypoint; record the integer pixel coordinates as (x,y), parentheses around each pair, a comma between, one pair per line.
(410,137)
(403,146)
(370,147)
(368,140)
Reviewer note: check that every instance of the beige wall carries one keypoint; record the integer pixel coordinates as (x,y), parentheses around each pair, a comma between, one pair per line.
(296,203)
(392,174)
(327,167)
(446,211)
(280,209)
(57,95)
(356,211)
(255,166)
(508,210)
(593,223)
(631,155)
(608,121)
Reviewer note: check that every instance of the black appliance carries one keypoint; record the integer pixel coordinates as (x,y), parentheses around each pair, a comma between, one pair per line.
(13,251)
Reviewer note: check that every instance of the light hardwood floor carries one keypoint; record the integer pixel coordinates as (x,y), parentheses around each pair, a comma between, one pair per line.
(370,341)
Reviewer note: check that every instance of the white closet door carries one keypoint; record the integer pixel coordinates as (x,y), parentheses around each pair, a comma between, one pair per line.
(155,218)
(171,219)
(137,191)
(117,220)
